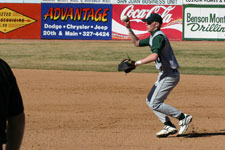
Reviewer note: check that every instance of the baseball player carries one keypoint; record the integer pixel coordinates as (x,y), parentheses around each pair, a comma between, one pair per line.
(165,61)
(12,118)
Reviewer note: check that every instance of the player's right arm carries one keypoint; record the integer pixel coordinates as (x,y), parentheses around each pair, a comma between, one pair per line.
(132,36)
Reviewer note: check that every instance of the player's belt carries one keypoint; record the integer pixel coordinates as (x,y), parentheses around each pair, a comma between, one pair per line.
(169,70)
(174,70)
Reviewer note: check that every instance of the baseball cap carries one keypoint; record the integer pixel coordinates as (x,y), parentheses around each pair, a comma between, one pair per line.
(153,17)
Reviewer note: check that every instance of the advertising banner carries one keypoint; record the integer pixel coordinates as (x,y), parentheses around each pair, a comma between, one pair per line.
(76,21)
(79,1)
(20,21)
(58,1)
(148,2)
(204,2)
(139,2)
(11,1)
(203,22)
(20,1)
(171,14)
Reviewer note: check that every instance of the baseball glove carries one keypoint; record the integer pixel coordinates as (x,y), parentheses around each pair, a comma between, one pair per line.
(127,65)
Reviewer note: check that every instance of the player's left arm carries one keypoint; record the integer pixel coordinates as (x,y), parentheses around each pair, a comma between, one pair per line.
(158,44)
(150,58)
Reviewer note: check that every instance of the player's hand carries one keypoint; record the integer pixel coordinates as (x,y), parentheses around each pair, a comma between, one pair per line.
(127,24)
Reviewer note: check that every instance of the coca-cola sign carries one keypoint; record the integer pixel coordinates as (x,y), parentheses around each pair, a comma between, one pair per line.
(171,14)
(139,14)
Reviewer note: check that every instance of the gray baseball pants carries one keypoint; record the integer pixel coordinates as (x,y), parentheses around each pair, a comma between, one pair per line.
(167,80)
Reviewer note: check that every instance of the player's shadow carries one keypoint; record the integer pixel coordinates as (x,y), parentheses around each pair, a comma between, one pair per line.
(198,135)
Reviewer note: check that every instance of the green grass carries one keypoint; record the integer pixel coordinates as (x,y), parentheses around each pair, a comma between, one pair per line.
(194,57)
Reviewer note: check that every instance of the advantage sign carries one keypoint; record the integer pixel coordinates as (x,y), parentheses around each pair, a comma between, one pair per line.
(203,22)
(76,21)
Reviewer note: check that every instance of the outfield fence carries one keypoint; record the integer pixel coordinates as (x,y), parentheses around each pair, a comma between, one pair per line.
(101,19)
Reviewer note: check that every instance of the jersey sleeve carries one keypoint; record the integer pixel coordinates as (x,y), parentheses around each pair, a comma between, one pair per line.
(158,43)
(144,42)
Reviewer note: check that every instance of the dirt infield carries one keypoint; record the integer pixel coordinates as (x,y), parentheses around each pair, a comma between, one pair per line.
(70,110)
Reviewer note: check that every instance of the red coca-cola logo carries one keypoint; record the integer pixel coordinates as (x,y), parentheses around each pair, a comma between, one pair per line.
(171,14)
(136,14)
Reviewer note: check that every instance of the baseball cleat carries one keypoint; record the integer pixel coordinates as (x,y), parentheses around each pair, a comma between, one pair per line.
(184,123)
(166,131)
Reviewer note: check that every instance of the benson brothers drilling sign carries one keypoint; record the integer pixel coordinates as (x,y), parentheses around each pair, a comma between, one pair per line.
(203,22)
